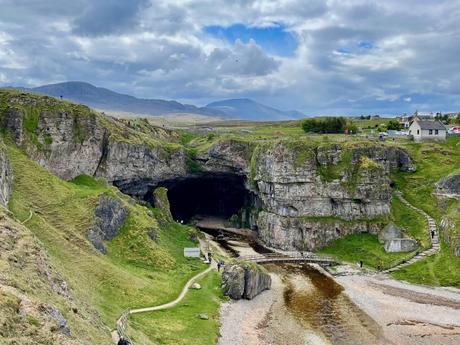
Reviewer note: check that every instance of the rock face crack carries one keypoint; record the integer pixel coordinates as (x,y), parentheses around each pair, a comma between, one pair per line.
(104,152)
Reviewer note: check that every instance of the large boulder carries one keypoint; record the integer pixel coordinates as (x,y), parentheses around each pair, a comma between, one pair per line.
(244,281)
(233,281)
(449,186)
(110,217)
(400,245)
(255,281)
(389,232)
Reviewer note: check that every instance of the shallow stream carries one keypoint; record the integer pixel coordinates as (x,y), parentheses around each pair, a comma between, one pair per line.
(316,303)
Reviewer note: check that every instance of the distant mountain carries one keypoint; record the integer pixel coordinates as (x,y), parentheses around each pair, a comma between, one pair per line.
(244,108)
(105,99)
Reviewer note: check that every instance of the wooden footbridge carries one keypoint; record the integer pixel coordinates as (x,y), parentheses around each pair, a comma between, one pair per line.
(296,257)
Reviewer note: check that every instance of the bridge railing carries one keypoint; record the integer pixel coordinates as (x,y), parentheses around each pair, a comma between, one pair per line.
(300,256)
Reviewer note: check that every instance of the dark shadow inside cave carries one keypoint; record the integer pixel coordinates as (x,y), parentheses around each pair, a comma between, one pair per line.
(216,195)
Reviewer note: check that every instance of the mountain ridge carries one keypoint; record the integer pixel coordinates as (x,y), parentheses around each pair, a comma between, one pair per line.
(109,100)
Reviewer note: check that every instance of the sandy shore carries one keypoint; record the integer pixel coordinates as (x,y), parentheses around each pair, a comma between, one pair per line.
(408,314)
(264,321)
(369,310)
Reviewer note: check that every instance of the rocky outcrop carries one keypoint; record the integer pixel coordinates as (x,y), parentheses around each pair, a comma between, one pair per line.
(244,281)
(302,186)
(134,167)
(110,217)
(389,232)
(297,233)
(71,140)
(449,187)
(6,177)
(160,201)
(399,245)
(227,156)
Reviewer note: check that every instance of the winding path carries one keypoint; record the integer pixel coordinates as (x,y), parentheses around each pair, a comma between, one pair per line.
(122,321)
(178,299)
(435,246)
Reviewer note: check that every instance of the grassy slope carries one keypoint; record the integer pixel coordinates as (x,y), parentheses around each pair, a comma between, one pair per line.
(434,161)
(135,272)
(181,325)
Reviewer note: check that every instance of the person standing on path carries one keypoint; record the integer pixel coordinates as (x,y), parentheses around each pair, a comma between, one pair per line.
(432,234)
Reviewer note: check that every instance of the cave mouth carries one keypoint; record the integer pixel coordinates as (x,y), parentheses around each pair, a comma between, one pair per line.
(207,195)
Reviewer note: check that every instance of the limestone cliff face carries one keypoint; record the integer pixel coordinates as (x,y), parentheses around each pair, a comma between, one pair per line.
(71,140)
(308,195)
(297,233)
(296,185)
(6,177)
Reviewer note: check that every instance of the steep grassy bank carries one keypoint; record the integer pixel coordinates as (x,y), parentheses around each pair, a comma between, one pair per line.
(434,161)
(137,271)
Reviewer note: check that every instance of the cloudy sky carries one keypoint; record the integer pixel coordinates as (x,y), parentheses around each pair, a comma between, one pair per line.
(316,56)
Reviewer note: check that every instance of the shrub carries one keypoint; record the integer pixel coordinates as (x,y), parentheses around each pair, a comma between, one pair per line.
(393,125)
(326,125)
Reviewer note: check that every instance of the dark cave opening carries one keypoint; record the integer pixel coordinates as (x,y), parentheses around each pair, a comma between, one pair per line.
(216,195)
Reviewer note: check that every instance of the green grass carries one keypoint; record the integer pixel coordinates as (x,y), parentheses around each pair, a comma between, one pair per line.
(434,161)
(180,325)
(136,271)
(365,247)
(438,270)
(411,222)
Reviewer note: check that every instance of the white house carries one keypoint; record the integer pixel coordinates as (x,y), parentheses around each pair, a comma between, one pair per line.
(427,130)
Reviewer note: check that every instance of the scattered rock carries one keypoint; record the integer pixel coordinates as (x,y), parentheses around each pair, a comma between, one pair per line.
(247,282)
(59,318)
(203,316)
(153,235)
(196,286)
(389,232)
(449,186)
(110,217)
(399,245)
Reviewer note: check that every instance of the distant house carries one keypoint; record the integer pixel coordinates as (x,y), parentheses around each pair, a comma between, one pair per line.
(406,120)
(427,130)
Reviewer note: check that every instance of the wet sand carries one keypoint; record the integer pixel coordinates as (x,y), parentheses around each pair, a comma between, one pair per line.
(408,314)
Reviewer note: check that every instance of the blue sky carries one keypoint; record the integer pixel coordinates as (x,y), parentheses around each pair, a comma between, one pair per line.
(316,56)
(273,39)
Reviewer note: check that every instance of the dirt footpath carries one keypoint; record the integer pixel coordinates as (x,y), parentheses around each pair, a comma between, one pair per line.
(408,314)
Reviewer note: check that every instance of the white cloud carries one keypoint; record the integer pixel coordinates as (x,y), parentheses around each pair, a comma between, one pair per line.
(158,49)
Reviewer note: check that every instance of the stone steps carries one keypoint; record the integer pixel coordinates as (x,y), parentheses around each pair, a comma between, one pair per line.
(435,245)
